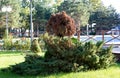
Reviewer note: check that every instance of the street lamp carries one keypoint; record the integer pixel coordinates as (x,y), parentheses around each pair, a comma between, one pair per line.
(6,9)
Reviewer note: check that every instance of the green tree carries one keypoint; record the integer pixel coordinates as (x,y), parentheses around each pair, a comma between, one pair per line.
(13,16)
(78,10)
(25,16)
(105,18)
(95,5)
(43,10)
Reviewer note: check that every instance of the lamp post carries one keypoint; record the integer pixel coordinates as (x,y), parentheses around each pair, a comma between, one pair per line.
(6,9)
(31,24)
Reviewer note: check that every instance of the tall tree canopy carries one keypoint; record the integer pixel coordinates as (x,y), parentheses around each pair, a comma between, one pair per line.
(105,18)
(82,11)
(78,10)
(95,5)
(13,16)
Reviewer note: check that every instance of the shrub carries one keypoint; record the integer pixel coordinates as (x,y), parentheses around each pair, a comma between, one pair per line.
(66,55)
(42,43)
(22,45)
(71,55)
(8,45)
(35,47)
(61,25)
(31,66)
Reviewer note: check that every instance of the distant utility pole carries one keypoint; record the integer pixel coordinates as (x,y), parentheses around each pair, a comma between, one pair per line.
(31,23)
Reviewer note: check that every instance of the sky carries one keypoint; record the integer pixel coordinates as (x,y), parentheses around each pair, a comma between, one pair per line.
(114,3)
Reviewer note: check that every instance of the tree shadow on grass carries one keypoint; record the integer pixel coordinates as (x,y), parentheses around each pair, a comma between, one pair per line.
(5,73)
(33,67)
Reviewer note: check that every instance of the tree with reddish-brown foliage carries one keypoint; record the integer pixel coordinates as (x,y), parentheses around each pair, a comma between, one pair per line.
(61,25)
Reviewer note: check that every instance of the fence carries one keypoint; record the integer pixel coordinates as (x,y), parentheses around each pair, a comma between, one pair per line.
(109,37)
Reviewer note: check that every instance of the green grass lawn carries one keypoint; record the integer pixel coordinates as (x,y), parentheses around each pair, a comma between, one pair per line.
(11,58)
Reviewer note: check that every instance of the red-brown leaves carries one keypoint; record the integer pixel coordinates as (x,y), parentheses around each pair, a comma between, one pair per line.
(61,25)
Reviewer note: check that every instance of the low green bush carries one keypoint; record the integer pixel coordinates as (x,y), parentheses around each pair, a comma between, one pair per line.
(66,55)
(8,45)
(31,66)
(35,47)
(41,43)
(22,45)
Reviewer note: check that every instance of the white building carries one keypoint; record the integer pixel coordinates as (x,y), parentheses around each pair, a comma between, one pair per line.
(115,30)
